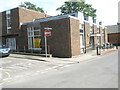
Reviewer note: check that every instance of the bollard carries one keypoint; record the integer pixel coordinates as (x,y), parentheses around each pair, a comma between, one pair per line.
(116,47)
(98,50)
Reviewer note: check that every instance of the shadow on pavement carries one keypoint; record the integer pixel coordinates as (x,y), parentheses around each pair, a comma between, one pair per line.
(30,59)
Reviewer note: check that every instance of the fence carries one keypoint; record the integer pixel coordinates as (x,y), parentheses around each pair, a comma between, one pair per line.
(24,49)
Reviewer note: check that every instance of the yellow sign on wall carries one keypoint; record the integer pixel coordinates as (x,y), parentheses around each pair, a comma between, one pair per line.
(37,43)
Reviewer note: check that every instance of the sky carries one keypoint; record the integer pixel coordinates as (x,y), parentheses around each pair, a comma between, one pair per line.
(107,10)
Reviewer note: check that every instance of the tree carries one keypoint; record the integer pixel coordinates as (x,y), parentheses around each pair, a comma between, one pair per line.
(77,5)
(31,6)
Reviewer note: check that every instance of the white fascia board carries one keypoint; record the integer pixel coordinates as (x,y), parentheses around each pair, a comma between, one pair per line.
(73,17)
(86,21)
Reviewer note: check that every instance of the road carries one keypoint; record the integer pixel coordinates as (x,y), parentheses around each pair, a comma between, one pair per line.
(98,73)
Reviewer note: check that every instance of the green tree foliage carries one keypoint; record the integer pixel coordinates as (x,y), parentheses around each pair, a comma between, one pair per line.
(31,6)
(77,5)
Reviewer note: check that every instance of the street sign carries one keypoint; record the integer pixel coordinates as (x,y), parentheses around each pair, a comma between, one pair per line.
(47,33)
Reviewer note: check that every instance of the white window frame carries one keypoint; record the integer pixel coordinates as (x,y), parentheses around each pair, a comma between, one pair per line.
(82,43)
(9,43)
(29,31)
(8,21)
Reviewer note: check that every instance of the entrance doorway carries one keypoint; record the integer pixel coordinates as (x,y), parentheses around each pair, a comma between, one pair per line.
(11,43)
(91,43)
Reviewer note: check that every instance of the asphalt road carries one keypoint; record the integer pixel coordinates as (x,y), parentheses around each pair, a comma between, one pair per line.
(98,73)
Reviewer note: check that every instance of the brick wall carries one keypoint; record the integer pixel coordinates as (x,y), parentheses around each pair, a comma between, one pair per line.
(105,35)
(19,16)
(61,42)
(27,15)
(22,39)
(101,37)
(14,20)
(114,38)
(87,32)
(75,37)
(4,24)
(95,37)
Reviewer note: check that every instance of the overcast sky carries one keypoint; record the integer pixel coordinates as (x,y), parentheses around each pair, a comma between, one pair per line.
(107,10)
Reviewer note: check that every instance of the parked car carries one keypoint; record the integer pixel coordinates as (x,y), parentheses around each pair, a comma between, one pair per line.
(4,51)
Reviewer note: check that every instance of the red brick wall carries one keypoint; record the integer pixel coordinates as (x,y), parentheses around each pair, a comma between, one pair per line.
(75,37)
(15,20)
(87,32)
(101,38)
(61,41)
(114,38)
(105,35)
(18,16)
(27,15)
(95,37)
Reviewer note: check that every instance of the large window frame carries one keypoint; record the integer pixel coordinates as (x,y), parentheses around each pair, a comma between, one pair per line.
(33,32)
(91,29)
(8,21)
(11,43)
(82,39)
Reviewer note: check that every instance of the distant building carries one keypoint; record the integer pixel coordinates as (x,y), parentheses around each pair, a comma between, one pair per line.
(114,34)
(114,30)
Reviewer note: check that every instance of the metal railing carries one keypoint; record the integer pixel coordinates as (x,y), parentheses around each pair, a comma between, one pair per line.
(24,49)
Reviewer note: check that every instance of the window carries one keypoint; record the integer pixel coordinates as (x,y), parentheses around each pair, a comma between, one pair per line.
(8,30)
(8,21)
(98,39)
(11,43)
(81,28)
(37,32)
(86,18)
(34,35)
(98,30)
(73,15)
(30,32)
(81,40)
(82,46)
(91,30)
(94,21)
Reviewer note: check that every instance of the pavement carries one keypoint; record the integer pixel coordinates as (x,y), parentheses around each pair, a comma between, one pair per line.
(75,59)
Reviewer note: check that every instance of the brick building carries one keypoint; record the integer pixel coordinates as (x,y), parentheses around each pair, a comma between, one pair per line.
(114,34)
(11,20)
(72,34)
(114,30)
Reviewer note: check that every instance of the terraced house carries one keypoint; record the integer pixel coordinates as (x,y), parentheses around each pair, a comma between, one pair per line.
(71,34)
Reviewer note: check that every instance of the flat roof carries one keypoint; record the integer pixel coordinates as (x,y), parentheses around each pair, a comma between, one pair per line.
(36,22)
